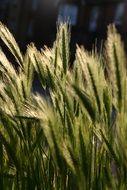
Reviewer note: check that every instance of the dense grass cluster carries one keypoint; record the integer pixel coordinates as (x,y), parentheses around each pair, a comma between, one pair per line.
(75,138)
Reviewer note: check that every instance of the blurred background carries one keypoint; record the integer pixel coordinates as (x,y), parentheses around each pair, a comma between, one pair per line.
(35,20)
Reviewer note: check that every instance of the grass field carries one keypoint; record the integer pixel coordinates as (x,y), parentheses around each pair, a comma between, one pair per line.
(75,137)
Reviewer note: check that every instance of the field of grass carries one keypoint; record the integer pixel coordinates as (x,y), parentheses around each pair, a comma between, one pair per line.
(75,138)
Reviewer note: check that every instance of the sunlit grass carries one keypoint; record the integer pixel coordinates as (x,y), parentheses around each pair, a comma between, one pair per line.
(76,137)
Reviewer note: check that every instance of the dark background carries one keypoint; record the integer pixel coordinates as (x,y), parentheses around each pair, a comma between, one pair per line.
(35,20)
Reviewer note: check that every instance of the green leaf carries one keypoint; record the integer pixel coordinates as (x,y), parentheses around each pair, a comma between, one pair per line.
(10,42)
(87,103)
